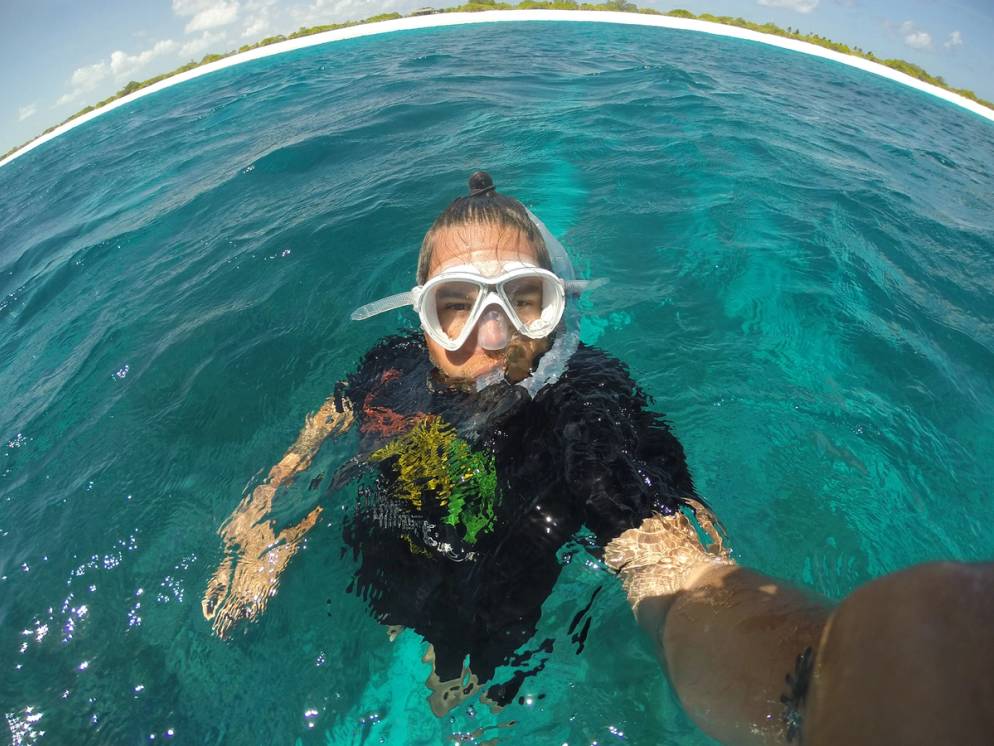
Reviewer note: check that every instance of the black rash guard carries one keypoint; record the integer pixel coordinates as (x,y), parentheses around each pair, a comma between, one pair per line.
(466,498)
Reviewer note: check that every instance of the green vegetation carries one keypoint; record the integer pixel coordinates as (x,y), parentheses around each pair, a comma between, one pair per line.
(900,65)
(481,5)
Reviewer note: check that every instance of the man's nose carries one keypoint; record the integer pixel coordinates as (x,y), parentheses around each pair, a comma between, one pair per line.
(493,331)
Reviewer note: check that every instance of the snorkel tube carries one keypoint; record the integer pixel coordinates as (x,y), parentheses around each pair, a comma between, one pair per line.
(567,337)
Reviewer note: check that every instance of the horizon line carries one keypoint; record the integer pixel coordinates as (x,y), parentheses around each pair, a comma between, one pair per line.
(497,16)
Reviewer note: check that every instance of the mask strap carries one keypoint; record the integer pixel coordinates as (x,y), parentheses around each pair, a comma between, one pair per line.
(383,305)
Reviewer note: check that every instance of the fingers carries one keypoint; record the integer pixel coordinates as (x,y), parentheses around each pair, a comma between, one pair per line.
(711,526)
(239,591)
(659,558)
(247,593)
(222,625)
(229,614)
(219,606)
(217,590)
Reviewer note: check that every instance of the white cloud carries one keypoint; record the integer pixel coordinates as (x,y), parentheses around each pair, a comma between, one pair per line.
(122,65)
(197,46)
(801,6)
(87,78)
(26,111)
(259,18)
(918,40)
(206,14)
(955,40)
(119,66)
(190,7)
(915,37)
(256,27)
(319,12)
(83,80)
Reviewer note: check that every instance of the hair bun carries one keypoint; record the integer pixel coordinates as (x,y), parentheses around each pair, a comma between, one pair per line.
(480,183)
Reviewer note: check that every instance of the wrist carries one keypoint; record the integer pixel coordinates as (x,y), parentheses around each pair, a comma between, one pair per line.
(660,559)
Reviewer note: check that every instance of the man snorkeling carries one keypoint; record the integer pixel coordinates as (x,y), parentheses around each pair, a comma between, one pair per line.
(493,439)
(485,445)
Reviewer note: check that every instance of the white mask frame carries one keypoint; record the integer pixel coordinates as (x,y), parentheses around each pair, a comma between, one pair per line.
(491,291)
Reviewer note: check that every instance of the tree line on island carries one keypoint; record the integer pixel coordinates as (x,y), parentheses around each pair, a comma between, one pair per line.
(482,5)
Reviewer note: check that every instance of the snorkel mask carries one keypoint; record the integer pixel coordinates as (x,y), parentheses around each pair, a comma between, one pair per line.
(531,299)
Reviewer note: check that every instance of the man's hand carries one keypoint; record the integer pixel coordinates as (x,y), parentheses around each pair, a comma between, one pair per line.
(664,555)
(242,585)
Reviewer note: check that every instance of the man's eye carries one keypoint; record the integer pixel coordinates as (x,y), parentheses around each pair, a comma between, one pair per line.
(456,306)
(524,303)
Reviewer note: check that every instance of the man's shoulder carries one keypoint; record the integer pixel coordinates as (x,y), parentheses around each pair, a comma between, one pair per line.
(589,356)
(592,368)
(393,360)
(404,349)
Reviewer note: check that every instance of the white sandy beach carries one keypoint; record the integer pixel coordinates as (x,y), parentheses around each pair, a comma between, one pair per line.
(497,16)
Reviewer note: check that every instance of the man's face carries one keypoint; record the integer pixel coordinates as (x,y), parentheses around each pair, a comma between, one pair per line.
(488,248)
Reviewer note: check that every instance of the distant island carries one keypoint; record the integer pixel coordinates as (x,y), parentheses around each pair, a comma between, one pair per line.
(483,5)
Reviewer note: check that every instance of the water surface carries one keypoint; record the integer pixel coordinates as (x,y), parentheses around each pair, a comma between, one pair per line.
(800,265)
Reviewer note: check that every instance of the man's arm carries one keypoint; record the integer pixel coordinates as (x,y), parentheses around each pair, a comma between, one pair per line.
(255,555)
(904,659)
(726,636)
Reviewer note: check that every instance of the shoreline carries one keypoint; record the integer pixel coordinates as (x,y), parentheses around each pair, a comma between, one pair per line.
(496,16)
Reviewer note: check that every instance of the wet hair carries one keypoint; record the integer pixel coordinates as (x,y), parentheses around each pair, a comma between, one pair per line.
(483,205)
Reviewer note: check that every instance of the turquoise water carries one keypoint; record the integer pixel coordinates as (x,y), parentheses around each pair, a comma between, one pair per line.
(800,261)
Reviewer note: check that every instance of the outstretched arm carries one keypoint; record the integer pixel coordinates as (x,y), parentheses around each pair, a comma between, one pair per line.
(904,659)
(255,555)
(726,636)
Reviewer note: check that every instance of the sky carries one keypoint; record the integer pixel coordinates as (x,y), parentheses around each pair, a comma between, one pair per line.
(59,56)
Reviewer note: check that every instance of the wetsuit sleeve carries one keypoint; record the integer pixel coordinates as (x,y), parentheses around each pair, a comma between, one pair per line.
(622,461)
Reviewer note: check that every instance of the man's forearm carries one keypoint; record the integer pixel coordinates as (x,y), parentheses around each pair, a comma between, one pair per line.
(327,421)
(726,636)
(255,506)
(728,643)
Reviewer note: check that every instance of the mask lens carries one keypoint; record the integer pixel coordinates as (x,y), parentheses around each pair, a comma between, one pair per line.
(526,296)
(453,304)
